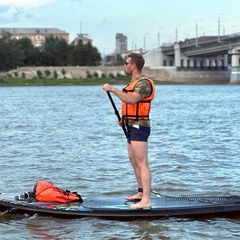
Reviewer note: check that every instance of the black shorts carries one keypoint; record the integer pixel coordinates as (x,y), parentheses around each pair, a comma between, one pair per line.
(138,133)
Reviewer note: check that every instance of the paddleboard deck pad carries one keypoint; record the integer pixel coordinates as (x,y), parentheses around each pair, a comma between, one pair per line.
(118,207)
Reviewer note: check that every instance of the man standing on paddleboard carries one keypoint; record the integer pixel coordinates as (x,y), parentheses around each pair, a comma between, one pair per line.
(136,100)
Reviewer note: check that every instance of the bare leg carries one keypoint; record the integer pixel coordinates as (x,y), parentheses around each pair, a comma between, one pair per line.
(138,156)
(137,174)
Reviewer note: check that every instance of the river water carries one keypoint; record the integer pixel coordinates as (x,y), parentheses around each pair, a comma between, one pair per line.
(68,135)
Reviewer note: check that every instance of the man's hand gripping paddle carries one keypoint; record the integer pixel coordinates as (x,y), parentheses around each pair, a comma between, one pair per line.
(117,114)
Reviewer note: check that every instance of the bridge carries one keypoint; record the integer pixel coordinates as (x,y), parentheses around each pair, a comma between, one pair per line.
(206,53)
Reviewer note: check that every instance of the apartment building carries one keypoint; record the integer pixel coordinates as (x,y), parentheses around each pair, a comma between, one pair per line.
(83,37)
(36,35)
(121,43)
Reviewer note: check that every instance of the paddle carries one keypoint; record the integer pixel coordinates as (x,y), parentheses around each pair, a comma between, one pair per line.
(117,114)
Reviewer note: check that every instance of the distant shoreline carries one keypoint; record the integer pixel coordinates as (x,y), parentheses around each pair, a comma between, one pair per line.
(11,82)
(97,75)
(4,82)
(89,82)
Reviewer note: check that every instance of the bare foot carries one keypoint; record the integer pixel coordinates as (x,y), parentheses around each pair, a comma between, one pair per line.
(137,196)
(141,205)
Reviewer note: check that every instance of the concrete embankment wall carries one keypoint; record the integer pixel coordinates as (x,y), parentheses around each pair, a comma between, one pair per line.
(168,74)
(198,77)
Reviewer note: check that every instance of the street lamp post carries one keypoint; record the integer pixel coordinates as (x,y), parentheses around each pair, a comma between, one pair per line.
(223,30)
(219,26)
(177,32)
(144,41)
(197,31)
(159,37)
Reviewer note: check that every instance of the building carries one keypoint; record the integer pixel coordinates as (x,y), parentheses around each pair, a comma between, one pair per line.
(83,37)
(36,35)
(121,43)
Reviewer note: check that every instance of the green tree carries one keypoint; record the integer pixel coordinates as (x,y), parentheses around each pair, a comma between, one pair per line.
(55,52)
(30,53)
(49,51)
(85,55)
(61,49)
(39,73)
(47,72)
(11,55)
(79,54)
(70,56)
(93,57)
(119,60)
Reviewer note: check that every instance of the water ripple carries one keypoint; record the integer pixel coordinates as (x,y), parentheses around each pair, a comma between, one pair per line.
(68,135)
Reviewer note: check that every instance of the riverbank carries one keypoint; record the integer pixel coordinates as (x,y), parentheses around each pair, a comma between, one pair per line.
(76,75)
(9,81)
(56,82)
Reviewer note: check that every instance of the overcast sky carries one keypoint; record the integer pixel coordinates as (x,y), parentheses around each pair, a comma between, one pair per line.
(137,19)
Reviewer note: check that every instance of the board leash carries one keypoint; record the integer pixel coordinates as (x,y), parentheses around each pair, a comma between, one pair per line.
(157,194)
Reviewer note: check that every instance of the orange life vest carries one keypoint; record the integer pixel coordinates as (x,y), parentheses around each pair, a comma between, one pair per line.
(140,110)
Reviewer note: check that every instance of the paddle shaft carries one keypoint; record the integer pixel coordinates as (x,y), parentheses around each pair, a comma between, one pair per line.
(117,114)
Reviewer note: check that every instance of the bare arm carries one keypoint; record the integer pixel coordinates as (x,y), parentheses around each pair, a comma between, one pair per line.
(127,98)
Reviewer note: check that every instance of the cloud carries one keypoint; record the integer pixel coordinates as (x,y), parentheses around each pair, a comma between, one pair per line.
(12,10)
(18,12)
(25,3)
(11,14)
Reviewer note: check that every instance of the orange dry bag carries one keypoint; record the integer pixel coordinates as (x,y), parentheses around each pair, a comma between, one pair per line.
(48,192)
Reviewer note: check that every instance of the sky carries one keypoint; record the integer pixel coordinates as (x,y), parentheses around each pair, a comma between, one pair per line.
(146,23)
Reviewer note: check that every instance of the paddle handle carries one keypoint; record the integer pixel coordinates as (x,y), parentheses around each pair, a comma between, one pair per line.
(117,114)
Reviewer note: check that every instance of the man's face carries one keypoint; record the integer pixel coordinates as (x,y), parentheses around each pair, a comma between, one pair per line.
(128,67)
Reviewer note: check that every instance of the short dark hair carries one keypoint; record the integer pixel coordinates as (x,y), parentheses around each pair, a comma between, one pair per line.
(137,59)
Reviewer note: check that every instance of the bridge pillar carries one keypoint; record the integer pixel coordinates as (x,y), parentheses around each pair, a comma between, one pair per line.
(222,62)
(205,64)
(177,56)
(218,62)
(197,62)
(225,62)
(211,63)
(191,64)
(235,71)
(185,62)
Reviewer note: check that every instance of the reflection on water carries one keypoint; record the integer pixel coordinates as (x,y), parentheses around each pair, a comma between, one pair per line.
(68,135)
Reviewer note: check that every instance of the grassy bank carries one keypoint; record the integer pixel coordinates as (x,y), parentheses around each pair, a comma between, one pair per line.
(60,82)
(10,81)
